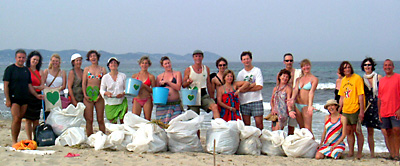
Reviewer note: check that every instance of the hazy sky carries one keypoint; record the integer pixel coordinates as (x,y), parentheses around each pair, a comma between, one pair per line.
(318,30)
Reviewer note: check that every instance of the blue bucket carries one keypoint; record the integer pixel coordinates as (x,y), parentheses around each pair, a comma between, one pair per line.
(132,86)
(160,95)
(189,96)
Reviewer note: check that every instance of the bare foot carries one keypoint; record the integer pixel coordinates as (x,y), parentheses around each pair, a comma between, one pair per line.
(359,155)
(350,154)
(372,155)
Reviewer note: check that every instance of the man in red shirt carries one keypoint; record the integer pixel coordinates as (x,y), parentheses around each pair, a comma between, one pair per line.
(389,108)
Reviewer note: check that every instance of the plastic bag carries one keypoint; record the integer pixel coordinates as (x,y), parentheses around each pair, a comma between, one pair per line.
(301,144)
(61,119)
(182,133)
(226,136)
(72,136)
(272,142)
(146,136)
(149,138)
(249,139)
(97,140)
(51,98)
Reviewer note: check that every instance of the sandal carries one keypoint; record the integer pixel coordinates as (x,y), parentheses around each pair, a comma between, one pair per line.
(72,155)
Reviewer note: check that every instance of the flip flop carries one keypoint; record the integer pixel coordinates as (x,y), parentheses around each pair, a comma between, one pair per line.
(72,155)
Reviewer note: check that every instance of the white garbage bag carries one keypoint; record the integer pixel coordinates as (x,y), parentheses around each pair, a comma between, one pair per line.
(97,140)
(72,136)
(226,136)
(114,140)
(272,142)
(250,143)
(61,119)
(132,120)
(149,138)
(114,127)
(182,133)
(301,144)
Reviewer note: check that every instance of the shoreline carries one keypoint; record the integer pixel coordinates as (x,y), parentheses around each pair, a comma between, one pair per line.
(89,156)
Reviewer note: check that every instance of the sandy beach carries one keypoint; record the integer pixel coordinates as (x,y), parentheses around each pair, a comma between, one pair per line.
(89,156)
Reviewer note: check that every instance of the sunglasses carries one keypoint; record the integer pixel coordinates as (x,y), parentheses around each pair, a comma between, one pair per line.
(367,64)
(222,65)
(288,60)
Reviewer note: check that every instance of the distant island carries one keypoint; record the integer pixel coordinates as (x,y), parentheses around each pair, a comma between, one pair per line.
(7,55)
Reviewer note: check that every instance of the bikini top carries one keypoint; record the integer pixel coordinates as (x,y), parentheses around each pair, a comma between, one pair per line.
(91,76)
(147,82)
(306,86)
(173,81)
(219,80)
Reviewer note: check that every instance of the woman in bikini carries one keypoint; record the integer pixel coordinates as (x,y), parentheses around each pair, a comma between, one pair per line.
(303,95)
(173,81)
(332,144)
(217,80)
(54,77)
(32,114)
(144,99)
(75,79)
(91,81)
(280,94)
(227,96)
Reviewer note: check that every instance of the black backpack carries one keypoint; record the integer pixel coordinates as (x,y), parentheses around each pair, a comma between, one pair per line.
(44,135)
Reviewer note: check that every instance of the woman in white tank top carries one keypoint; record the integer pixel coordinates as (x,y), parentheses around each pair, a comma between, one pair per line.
(55,71)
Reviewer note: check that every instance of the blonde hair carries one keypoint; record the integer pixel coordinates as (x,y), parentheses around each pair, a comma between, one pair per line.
(303,63)
(143,58)
(55,55)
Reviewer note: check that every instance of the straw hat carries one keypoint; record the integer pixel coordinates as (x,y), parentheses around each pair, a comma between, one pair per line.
(331,102)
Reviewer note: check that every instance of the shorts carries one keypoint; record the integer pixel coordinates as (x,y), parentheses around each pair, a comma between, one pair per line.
(252,109)
(352,119)
(390,122)
(20,102)
(206,102)
(34,108)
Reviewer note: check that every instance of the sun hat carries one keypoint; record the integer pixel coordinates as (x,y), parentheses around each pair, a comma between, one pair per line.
(331,102)
(74,56)
(198,52)
(113,58)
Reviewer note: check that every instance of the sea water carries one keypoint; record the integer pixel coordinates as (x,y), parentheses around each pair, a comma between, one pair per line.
(324,71)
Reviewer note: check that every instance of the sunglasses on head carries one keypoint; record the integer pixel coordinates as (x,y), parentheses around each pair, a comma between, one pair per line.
(289,60)
(367,64)
(222,65)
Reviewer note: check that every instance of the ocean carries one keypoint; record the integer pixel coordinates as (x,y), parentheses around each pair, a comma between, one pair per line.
(325,71)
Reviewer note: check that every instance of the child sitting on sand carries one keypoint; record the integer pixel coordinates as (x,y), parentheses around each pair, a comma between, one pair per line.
(334,133)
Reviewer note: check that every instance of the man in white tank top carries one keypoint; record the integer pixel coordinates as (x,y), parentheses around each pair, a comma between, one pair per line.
(197,76)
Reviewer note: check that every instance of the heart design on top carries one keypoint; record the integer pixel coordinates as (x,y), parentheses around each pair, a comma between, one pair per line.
(92,92)
(136,86)
(190,97)
(53,97)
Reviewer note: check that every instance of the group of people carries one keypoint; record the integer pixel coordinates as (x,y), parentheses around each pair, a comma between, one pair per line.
(227,96)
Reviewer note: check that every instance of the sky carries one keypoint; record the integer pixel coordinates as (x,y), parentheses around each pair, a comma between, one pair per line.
(317,30)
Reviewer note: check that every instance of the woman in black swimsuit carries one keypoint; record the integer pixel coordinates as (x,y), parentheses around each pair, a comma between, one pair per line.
(217,80)
(173,81)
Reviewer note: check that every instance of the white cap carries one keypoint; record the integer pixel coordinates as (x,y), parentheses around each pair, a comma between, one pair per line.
(113,58)
(76,55)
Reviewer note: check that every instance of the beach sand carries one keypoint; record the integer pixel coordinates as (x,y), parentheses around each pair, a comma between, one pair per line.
(89,156)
